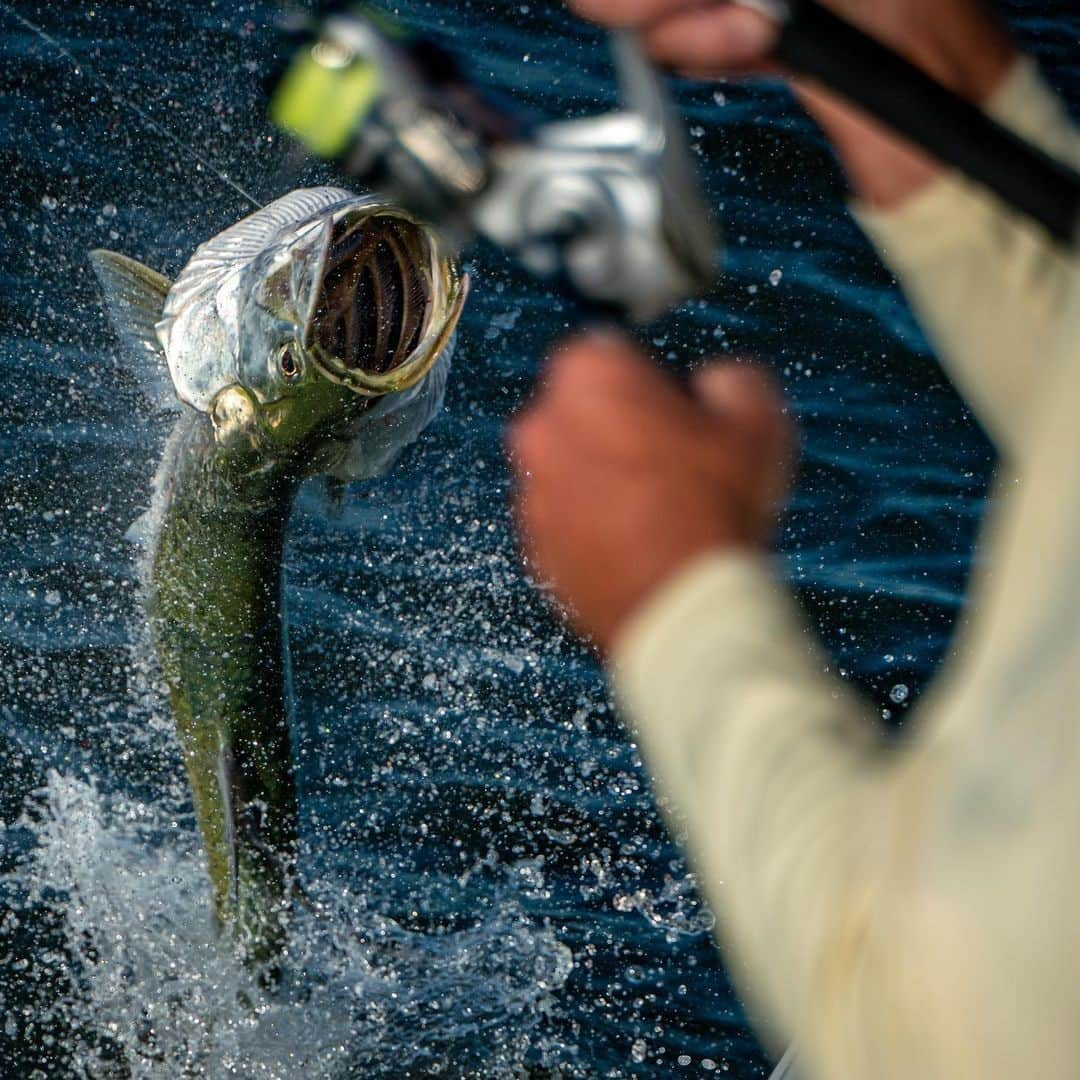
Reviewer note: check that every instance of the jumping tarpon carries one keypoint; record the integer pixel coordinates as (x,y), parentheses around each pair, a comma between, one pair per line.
(312,337)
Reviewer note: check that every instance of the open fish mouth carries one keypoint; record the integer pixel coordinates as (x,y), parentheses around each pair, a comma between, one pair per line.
(388,302)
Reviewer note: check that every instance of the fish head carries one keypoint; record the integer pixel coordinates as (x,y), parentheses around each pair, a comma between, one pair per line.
(312,327)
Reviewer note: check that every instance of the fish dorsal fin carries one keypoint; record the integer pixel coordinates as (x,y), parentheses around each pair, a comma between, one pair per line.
(134,298)
(252,234)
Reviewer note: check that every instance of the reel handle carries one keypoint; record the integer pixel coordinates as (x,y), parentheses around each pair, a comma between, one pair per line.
(815,42)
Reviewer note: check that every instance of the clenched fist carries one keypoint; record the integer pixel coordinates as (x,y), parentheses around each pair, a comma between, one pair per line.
(625,476)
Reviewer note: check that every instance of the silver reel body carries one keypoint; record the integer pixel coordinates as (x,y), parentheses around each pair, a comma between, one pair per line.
(608,203)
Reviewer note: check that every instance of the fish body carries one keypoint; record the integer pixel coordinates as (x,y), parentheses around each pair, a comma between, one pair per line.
(313,337)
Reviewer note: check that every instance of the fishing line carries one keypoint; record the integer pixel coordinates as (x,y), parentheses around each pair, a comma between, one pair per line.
(81,67)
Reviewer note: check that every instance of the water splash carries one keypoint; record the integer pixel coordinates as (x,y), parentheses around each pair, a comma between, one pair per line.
(676,908)
(81,67)
(164,997)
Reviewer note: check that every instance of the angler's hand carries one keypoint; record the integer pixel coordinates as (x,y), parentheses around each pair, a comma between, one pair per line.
(955,41)
(624,476)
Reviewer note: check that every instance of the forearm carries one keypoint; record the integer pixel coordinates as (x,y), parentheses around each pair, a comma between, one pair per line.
(989,288)
(772,767)
(957,44)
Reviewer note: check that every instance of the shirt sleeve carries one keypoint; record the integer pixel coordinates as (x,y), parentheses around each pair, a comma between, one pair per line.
(772,766)
(987,285)
(803,824)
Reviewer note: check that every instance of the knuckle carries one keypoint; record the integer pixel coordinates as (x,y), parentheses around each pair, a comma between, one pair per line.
(741,391)
(563,361)
(530,441)
(590,368)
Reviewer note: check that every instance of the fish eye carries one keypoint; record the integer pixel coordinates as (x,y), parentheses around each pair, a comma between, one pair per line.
(289,365)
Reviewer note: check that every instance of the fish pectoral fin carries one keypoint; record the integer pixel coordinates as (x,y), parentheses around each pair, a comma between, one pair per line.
(141,531)
(227,786)
(134,298)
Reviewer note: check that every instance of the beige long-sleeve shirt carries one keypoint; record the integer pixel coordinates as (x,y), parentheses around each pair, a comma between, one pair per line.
(913,912)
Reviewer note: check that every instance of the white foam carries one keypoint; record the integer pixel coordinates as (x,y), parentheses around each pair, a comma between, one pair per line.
(360,991)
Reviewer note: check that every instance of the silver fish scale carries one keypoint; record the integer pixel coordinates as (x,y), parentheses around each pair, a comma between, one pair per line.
(193,330)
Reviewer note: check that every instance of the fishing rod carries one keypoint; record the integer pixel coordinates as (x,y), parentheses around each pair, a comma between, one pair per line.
(609,207)
(815,42)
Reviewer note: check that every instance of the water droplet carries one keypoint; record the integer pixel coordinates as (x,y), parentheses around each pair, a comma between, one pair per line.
(52,598)
(109,209)
(639,1051)
(719,97)
(48,202)
(899,693)
(775,277)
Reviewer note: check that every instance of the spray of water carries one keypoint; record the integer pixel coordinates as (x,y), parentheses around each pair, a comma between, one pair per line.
(82,67)
(153,991)
(156,993)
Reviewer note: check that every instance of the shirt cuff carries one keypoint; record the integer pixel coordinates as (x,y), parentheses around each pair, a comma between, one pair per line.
(952,209)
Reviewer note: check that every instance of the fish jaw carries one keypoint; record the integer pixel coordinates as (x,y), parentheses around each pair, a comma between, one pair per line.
(387,302)
(362,304)
(199,328)
(366,297)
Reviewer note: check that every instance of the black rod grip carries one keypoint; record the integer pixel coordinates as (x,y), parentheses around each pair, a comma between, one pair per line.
(817,43)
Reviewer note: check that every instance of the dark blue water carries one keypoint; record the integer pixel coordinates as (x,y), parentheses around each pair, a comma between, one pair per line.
(498,896)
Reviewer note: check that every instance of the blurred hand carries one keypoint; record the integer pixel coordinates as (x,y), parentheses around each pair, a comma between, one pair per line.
(956,41)
(624,476)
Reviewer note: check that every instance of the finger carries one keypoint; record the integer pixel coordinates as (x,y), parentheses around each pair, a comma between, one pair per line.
(712,39)
(523,512)
(572,362)
(528,496)
(746,398)
(541,515)
(579,416)
(602,353)
(618,404)
(632,13)
(748,402)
